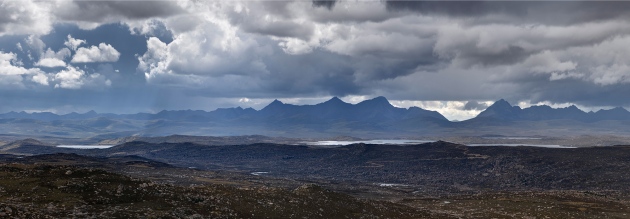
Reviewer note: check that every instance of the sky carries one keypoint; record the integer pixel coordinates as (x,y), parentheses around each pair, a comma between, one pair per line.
(454,57)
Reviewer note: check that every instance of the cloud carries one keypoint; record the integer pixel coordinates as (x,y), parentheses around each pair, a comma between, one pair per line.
(91,14)
(71,78)
(13,75)
(474,105)
(217,51)
(102,53)
(517,12)
(40,78)
(51,62)
(329,4)
(24,18)
(8,67)
(35,44)
(53,59)
(75,78)
(73,43)
(475,45)
(406,50)
(153,62)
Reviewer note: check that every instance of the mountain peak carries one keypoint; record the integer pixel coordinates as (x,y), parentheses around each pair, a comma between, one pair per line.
(501,103)
(276,104)
(334,101)
(501,109)
(381,98)
(377,101)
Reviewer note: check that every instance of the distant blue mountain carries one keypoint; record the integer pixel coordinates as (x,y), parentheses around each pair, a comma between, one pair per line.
(501,110)
(370,118)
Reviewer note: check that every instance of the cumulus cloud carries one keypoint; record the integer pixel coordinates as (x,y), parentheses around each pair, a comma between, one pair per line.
(53,59)
(13,75)
(7,65)
(73,43)
(219,50)
(70,78)
(35,44)
(51,62)
(75,78)
(41,78)
(102,53)
(25,17)
(153,62)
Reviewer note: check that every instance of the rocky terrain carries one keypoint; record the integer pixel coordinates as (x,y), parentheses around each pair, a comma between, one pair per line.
(430,180)
(55,190)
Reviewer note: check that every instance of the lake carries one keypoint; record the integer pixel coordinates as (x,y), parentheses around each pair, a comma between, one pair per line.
(408,142)
(517,145)
(341,143)
(85,146)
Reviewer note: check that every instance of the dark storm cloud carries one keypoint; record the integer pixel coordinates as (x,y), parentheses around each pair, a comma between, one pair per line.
(329,4)
(551,13)
(106,11)
(459,8)
(405,50)
(575,92)
(315,74)
(511,55)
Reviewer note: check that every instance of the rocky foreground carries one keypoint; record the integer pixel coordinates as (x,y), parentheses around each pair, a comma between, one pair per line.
(434,180)
(60,191)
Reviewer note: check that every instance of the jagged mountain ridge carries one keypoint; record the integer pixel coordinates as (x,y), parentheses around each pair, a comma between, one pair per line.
(502,110)
(368,119)
(378,109)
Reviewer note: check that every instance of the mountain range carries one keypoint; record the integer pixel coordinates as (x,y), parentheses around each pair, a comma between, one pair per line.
(370,118)
(502,110)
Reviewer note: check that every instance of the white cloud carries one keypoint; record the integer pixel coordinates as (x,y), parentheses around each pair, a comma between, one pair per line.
(41,78)
(25,17)
(73,43)
(102,53)
(53,59)
(36,44)
(12,74)
(153,62)
(452,110)
(70,78)
(7,66)
(76,78)
(214,49)
(51,62)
